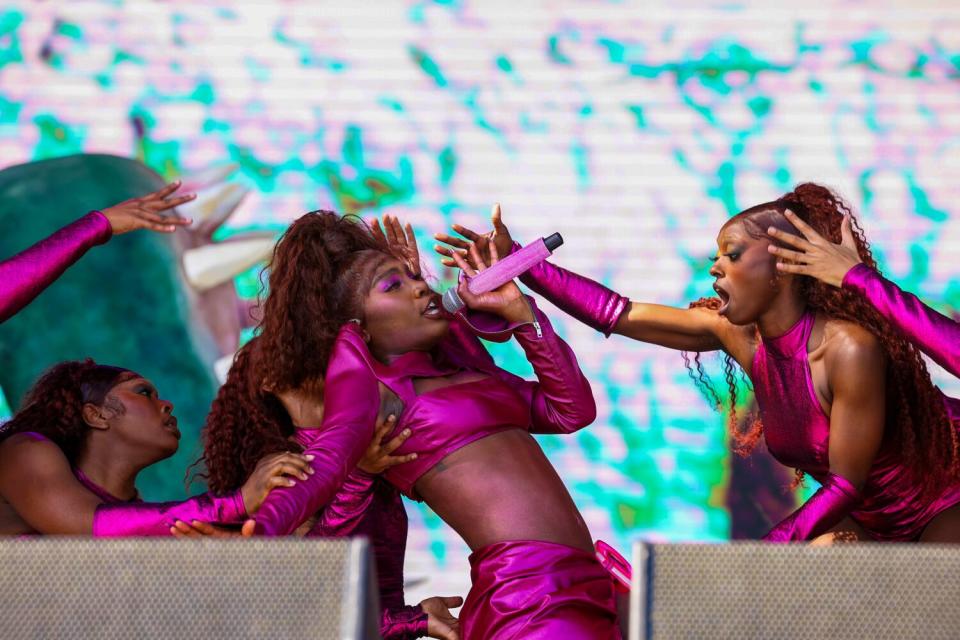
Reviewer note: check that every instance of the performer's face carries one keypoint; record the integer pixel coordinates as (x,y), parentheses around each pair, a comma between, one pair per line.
(402,313)
(135,413)
(746,277)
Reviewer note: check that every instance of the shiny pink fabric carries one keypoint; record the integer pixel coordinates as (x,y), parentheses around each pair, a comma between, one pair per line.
(835,498)
(447,419)
(26,274)
(533,590)
(349,416)
(582,298)
(935,334)
(797,433)
(366,505)
(155,519)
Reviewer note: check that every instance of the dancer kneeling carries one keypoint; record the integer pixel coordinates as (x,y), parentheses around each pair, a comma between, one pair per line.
(69,460)
(366,325)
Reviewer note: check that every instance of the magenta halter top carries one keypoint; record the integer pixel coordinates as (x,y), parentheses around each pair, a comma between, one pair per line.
(797,433)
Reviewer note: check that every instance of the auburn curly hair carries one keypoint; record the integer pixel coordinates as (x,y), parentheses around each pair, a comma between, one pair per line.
(53,406)
(319,272)
(915,414)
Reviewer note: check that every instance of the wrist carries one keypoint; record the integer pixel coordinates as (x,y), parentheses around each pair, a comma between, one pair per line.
(517,312)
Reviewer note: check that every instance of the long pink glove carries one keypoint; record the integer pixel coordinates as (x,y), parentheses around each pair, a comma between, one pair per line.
(935,334)
(26,274)
(351,402)
(835,498)
(582,298)
(371,507)
(155,519)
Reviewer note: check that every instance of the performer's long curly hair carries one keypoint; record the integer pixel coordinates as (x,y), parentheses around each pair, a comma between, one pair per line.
(316,284)
(916,416)
(53,406)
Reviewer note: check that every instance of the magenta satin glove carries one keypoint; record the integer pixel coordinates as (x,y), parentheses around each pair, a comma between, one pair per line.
(582,298)
(26,274)
(933,333)
(835,498)
(155,519)
(351,402)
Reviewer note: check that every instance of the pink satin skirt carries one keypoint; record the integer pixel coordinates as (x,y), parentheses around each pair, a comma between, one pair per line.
(533,590)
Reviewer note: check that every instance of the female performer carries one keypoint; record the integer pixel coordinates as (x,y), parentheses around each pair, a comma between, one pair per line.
(839,265)
(25,275)
(843,397)
(363,323)
(69,460)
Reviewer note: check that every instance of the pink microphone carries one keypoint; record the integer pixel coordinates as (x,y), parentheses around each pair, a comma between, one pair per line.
(504,271)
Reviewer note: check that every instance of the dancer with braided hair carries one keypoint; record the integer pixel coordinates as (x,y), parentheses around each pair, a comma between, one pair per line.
(843,396)
(69,460)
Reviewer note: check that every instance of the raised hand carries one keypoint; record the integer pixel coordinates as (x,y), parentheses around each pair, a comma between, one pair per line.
(378,457)
(499,236)
(400,240)
(440,622)
(272,471)
(144,212)
(506,300)
(816,257)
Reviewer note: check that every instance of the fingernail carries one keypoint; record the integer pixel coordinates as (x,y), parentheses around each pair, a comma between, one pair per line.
(406,432)
(291,483)
(413,456)
(311,470)
(310,456)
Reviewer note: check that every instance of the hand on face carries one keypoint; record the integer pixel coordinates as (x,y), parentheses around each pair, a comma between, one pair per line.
(378,457)
(440,622)
(400,241)
(816,256)
(144,212)
(499,237)
(272,471)
(506,300)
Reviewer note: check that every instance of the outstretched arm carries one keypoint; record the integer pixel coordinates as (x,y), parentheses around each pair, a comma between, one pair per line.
(26,274)
(598,306)
(37,481)
(856,371)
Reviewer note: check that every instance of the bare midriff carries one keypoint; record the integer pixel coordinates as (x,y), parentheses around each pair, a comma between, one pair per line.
(501,488)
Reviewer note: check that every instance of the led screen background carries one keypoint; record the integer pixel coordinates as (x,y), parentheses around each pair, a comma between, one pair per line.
(634,129)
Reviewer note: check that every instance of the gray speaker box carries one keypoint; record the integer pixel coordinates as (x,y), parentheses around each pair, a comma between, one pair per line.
(755,590)
(150,588)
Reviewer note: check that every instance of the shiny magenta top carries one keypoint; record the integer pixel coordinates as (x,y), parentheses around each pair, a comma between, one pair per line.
(797,433)
(445,419)
(26,274)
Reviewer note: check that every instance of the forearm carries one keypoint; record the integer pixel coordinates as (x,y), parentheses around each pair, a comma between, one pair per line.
(933,333)
(582,298)
(834,500)
(155,519)
(403,623)
(28,273)
(562,400)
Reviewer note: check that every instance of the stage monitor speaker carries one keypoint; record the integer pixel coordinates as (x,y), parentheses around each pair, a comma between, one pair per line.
(149,588)
(754,590)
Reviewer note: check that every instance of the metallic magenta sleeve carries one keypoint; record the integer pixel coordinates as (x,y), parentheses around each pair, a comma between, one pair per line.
(367,506)
(935,334)
(835,498)
(351,402)
(586,300)
(26,274)
(561,401)
(155,519)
